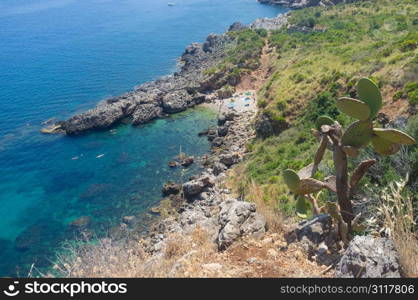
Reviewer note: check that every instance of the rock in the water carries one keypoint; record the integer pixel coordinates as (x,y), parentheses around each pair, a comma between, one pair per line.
(129,220)
(171,188)
(172,164)
(236,26)
(237,219)
(187,161)
(145,113)
(369,257)
(212,134)
(104,115)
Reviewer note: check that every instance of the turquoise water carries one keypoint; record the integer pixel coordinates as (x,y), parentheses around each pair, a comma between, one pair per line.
(59,57)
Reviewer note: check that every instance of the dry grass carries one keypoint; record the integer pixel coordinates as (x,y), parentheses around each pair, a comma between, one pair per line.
(265,199)
(181,257)
(398,212)
(193,255)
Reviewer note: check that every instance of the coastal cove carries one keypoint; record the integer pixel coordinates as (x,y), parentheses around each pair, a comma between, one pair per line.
(65,67)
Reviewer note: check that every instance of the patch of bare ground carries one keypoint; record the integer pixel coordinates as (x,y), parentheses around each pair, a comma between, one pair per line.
(255,80)
(193,256)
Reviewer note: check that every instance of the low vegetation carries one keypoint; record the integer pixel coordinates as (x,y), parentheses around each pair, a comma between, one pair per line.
(321,57)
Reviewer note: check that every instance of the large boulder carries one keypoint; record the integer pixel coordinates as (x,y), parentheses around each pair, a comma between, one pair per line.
(369,257)
(311,232)
(196,186)
(171,188)
(237,219)
(237,26)
(229,159)
(265,126)
(218,168)
(318,238)
(145,113)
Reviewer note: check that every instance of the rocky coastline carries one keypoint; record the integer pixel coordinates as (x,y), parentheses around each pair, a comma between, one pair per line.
(203,201)
(297,4)
(190,86)
(170,94)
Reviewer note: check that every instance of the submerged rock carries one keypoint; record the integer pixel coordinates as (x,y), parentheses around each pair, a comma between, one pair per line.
(171,188)
(369,257)
(80,223)
(187,161)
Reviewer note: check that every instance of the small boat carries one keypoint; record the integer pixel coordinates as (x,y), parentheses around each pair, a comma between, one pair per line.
(171,4)
(75,158)
(100,156)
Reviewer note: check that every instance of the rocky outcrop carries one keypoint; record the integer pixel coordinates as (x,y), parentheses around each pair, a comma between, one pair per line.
(167,95)
(206,204)
(318,238)
(236,26)
(171,188)
(145,113)
(176,101)
(295,4)
(265,126)
(369,257)
(270,23)
(237,219)
(195,187)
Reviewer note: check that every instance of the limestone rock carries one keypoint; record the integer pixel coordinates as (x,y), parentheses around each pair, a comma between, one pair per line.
(369,257)
(237,219)
(145,113)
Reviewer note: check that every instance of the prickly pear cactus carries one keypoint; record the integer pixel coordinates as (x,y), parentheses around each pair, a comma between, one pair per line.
(361,133)
(345,143)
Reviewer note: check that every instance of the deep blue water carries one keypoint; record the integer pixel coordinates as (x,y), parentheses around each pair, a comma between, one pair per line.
(59,57)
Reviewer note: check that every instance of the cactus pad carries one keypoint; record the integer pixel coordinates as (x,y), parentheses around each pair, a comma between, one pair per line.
(394,136)
(323,120)
(383,146)
(301,207)
(310,186)
(369,93)
(358,134)
(291,178)
(354,108)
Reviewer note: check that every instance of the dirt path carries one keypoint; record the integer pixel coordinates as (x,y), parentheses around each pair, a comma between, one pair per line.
(255,80)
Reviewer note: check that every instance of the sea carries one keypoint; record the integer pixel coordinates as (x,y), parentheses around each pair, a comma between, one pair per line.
(59,58)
